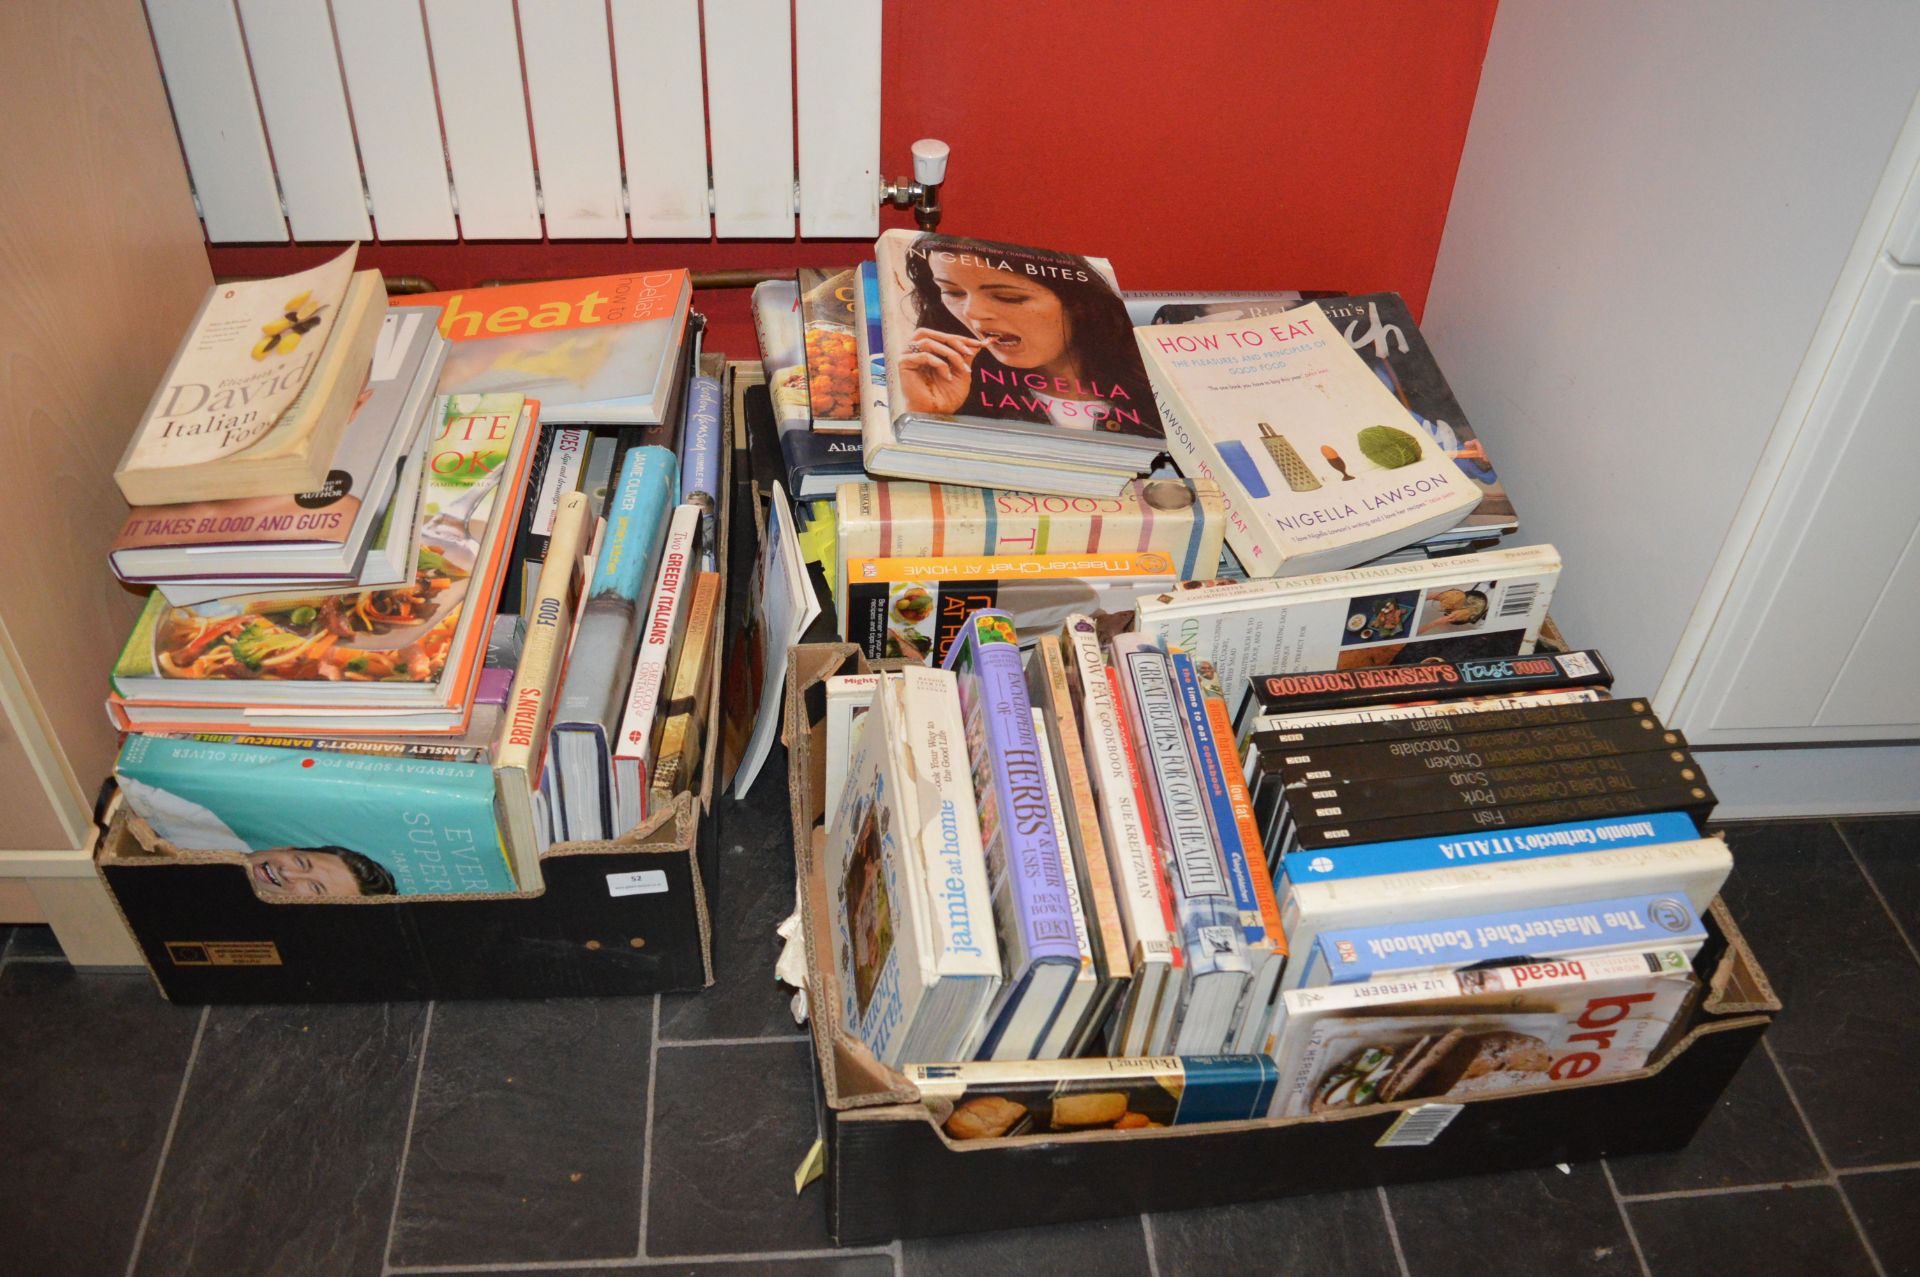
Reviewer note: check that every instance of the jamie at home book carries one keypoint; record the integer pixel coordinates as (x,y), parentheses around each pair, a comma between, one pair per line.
(1321,466)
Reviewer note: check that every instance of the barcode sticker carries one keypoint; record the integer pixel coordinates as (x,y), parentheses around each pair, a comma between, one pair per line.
(1518,599)
(641,882)
(1419,1126)
(1578,664)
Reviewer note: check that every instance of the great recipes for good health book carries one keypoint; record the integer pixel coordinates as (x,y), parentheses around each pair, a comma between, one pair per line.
(255,399)
(1322,467)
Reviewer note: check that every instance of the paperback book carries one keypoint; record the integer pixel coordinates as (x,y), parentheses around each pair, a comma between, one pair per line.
(1051,1098)
(1321,466)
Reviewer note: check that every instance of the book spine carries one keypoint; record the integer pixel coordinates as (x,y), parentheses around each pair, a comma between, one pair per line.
(1047,673)
(1694,799)
(1505,712)
(1220,813)
(1151,839)
(1072,1096)
(678,744)
(1209,918)
(523,737)
(700,445)
(927,716)
(1016,824)
(649,479)
(660,629)
(423,750)
(1248,828)
(1363,953)
(876,422)
(1435,680)
(1528,842)
(1066,1027)
(1252,537)
(1474,751)
(1139,880)
(1316,803)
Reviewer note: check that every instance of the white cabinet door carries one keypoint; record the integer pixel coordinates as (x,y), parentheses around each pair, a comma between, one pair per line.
(1818,636)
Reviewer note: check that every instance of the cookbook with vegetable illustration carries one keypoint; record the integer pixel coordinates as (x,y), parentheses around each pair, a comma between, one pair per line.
(1322,466)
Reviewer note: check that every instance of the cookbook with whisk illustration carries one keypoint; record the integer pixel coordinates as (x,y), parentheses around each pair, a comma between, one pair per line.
(1322,467)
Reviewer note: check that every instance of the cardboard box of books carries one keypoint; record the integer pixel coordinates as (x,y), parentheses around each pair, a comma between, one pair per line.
(930,1148)
(616,916)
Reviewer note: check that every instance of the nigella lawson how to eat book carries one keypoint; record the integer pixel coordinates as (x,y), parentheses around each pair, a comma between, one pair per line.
(1322,467)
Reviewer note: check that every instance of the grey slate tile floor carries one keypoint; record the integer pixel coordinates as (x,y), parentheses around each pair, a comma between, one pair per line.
(658,1135)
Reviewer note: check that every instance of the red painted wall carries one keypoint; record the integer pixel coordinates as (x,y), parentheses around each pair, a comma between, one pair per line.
(1194,143)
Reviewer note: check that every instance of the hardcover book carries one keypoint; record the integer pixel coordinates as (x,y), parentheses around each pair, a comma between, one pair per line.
(814,464)
(415,647)
(1071,1024)
(259,392)
(1218,964)
(826,316)
(1026,349)
(1469,1034)
(661,628)
(1359,719)
(591,350)
(520,753)
(849,697)
(1513,936)
(1321,466)
(1467,605)
(677,740)
(912,941)
(1039,956)
(896,519)
(1138,873)
(1434,680)
(1051,1098)
(701,443)
(321,534)
(1484,715)
(587,719)
(322,822)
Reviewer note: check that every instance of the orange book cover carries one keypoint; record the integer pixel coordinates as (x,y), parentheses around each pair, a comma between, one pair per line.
(593,351)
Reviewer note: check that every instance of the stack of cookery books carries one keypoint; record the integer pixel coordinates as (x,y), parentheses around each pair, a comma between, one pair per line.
(353,663)
(1245,849)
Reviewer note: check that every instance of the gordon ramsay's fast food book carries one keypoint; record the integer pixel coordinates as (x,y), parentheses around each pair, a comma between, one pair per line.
(1467,1034)
(399,659)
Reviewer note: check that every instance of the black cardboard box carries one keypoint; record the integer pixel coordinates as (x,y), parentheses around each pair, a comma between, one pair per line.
(627,916)
(891,1172)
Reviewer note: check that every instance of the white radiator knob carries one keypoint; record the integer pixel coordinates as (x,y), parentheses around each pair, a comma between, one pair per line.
(930,161)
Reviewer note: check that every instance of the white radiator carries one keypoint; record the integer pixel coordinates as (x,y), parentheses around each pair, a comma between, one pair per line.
(318,120)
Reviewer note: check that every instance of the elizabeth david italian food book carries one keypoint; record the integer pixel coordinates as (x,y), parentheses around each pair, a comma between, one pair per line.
(1024,351)
(913,944)
(319,822)
(895,518)
(400,660)
(1218,964)
(319,535)
(1040,958)
(1552,932)
(1138,875)
(1322,467)
(592,351)
(1470,1034)
(587,717)
(256,398)
(1051,1098)
(1465,605)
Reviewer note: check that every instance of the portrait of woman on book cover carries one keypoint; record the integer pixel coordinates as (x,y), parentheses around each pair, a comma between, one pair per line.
(1022,334)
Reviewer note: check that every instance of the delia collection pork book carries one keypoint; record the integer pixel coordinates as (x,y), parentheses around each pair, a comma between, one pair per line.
(1322,467)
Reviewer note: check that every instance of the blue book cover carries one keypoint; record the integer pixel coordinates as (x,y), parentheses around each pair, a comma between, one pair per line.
(1213,786)
(1025,874)
(1665,921)
(319,823)
(700,445)
(608,638)
(1412,855)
